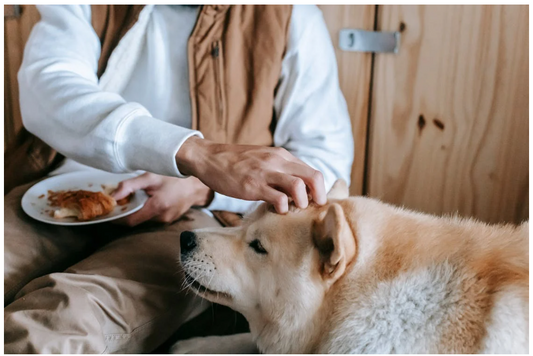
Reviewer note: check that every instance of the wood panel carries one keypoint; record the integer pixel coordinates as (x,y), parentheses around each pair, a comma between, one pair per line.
(17,28)
(449,124)
(354,77)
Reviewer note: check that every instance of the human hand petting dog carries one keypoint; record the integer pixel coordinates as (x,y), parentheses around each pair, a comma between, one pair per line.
(246,172)
(169,197)
(250,172)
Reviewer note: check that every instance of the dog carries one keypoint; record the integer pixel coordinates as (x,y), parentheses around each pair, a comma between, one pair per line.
(360,276)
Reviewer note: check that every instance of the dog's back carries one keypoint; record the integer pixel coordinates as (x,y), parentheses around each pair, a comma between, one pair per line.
(430,285)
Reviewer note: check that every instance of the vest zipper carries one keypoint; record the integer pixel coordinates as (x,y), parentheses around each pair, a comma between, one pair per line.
(215,53)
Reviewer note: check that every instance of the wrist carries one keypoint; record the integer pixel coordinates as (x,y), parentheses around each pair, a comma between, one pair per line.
(203,195)
(190,155)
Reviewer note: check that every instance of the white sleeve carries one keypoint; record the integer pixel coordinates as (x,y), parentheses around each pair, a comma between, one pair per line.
(313,120)
(62,104)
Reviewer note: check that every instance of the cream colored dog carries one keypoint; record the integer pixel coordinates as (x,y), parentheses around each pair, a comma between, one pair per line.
(361,276)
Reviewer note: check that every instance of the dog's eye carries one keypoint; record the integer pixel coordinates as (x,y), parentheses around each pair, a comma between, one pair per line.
(256,245)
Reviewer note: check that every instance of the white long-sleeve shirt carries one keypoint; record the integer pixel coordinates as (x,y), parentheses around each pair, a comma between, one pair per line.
(138,114)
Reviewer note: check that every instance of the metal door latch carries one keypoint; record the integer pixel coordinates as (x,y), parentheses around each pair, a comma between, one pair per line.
(369,41)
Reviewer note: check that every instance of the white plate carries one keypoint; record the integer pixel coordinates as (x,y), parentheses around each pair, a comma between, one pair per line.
(35,202)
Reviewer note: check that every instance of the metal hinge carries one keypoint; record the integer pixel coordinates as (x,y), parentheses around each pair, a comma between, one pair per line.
(369,41)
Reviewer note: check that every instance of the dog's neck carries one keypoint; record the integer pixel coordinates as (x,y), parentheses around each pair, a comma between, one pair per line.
(288,335)
(300,329)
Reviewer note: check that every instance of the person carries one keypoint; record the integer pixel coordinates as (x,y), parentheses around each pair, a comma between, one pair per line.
(215,106)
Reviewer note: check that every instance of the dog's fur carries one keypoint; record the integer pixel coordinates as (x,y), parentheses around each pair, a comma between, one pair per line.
(361,276)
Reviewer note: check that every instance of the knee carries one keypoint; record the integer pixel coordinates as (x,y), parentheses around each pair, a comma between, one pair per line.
(53,315)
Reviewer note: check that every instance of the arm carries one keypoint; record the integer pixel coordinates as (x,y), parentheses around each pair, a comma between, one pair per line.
(63,105)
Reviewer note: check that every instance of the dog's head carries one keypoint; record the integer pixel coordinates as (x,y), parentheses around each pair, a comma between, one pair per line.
(273,266)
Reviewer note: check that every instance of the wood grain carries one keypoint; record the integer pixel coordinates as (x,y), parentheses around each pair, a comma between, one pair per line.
(16,33)
(354,77)
(449,124)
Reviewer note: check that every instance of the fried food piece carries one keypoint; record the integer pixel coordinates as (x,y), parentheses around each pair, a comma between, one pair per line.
(81,204)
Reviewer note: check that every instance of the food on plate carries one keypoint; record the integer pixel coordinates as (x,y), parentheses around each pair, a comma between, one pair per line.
(81,204)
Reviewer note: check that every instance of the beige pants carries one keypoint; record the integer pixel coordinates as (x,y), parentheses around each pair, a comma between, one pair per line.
(96,289)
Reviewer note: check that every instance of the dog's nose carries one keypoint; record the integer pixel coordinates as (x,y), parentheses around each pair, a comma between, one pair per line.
(187,241)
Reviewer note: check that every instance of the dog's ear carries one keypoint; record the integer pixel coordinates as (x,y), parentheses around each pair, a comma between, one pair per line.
(339,190)
(335,242)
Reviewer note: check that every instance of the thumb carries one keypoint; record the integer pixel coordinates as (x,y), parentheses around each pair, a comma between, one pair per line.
(128,186)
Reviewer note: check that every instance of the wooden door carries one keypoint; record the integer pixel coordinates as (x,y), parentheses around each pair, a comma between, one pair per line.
(449,116)
(354,77)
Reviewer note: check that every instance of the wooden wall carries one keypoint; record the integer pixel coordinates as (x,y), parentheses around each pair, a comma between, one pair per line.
(450,112)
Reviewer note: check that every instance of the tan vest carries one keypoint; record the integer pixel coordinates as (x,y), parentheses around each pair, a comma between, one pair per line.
(235,54)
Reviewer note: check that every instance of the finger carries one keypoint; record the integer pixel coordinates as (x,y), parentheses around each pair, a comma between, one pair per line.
(312,178)
(278,199)
(147,212)
(129,186)
(292,186)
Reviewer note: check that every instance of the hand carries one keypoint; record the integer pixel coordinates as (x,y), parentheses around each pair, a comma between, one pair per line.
(247,172)
(169,198)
